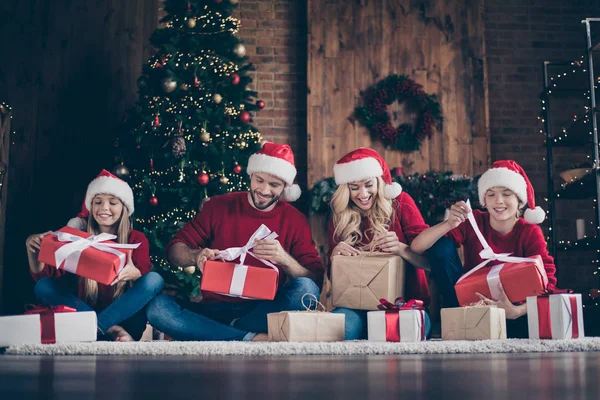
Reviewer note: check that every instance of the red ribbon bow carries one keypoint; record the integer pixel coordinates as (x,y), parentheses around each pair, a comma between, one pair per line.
(47,327)
(392,316)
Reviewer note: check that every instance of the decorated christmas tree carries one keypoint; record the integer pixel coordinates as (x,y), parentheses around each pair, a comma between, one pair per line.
(189,136)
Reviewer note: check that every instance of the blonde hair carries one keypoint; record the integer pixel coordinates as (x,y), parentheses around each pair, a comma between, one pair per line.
(347,216)
(123,230)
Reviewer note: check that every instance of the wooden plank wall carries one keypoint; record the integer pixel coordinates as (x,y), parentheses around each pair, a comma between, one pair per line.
(69,73)
(439,44)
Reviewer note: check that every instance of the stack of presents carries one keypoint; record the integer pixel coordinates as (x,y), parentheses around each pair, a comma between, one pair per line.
(372,281)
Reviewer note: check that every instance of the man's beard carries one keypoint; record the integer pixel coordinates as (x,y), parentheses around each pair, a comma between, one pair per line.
(261,207)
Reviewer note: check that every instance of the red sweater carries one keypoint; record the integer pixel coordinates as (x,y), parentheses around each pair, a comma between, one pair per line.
(407,222)
(139,256)
(229,221)
(524,240)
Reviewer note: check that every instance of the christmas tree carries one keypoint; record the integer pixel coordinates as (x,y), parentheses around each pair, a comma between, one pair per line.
(189,136)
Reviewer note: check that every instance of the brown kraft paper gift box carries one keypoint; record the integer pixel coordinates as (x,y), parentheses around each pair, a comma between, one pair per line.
(306,326)
(473,323)
(358,282)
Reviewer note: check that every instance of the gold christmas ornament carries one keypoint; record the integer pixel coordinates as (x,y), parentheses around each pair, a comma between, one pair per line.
(217,98)
(224,180)
(168,84)
(121,171)
(239,50)
(191,22)
(205,137)
(190,270)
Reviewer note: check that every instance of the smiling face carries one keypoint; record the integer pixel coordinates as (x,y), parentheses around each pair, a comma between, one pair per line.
(363,193)
(502,203)
(265,191)
(107,210)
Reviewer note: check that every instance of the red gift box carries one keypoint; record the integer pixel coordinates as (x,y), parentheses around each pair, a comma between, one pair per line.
(520,277)
(519,281)
(239,280)
(91,256)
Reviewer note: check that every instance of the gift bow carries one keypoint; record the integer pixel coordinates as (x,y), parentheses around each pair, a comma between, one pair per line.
(488,255)
(392,316)
(70,253)
(232,253)
(238,279)
(47,327)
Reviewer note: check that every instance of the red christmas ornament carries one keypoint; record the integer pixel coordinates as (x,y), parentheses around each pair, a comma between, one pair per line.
(189,7)
(151,165)
(245,117)
(237,168)
(203,178)
(260,104)
(156,121)
(235,79)
(153,201)
(397,171)
(196,81)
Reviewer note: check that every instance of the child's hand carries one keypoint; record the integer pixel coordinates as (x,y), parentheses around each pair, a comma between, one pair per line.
(129,273)
(34,242)
(344,249)
(458,214)
(512,311)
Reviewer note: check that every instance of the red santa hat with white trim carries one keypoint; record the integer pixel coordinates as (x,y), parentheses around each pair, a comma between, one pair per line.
(104,183)
(277,160)
(509,174)
(364,163)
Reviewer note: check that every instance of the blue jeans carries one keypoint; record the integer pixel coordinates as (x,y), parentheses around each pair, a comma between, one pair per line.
(356,323)
(50,291)
(225,321)
(447,268)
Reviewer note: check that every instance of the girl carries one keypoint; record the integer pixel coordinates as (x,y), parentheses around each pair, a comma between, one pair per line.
(372,213)
(504,190)
(120,306)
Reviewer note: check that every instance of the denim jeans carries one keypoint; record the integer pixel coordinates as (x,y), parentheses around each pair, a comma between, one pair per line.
(356,323)
(225,321)
(446,269)
(52,292)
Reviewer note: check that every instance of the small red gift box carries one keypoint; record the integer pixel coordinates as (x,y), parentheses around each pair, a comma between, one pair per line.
(91,256)
(519,280)
(239,280)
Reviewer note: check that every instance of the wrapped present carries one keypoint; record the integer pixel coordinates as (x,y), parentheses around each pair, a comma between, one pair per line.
(306,326)
(359,282)
(555,316)
(91,256)
(58,324)
(521,277)
(239,280)
(400,322)
(473,323)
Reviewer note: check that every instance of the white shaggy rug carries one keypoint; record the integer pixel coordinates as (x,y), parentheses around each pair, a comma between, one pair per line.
(285,348)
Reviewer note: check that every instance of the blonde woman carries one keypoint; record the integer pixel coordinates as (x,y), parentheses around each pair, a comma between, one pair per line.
(120,306)
(370,213)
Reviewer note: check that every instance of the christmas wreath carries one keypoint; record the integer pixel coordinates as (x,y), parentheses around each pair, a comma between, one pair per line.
(374,114)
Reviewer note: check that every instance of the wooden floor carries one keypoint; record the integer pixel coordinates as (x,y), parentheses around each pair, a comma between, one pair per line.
(502,376)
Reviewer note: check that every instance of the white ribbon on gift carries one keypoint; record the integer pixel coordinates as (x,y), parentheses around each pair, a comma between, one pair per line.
(488,255)
(240,271)
(71,252)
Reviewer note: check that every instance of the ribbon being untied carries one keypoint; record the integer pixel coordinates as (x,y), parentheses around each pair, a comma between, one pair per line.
(240,271)
(47,322)
(392,316)
(71,252)
(488,255)
(545,317)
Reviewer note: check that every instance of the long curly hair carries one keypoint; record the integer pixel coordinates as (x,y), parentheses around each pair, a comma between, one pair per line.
(347,216)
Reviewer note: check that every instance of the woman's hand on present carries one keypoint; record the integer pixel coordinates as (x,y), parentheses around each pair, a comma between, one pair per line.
(512,311)
(271,250)
(129,272)
(389,243)
(34,242)
(344,249)
(204,256)
(458,214)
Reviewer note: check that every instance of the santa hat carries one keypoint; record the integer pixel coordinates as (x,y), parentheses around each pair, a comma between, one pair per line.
(509,174)
(364,163)
(277,160)
(80,221)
